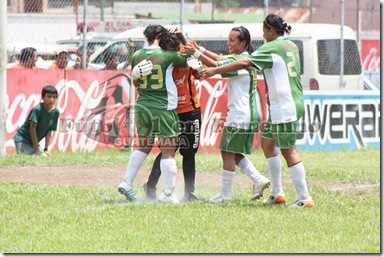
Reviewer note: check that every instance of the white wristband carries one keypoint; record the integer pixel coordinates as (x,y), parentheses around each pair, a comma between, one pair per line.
(196,54)
(202,49)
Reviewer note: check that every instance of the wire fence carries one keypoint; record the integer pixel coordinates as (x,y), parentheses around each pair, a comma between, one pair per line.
(61,21)
(65,17)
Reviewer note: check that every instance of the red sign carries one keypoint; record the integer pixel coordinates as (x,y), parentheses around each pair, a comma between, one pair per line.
(95,108)
(370,55)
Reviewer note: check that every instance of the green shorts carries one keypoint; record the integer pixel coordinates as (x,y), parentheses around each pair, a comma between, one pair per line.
(236,140)
(284,134)
(151,122)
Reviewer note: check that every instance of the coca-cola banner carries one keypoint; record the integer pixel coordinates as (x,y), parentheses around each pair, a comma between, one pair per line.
(95,108)
(370,55)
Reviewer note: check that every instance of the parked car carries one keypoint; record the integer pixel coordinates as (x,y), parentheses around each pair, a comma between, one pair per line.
(319,50)
(95,40)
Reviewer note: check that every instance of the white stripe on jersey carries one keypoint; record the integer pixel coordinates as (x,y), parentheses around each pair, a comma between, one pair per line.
(282,106)
(171,88)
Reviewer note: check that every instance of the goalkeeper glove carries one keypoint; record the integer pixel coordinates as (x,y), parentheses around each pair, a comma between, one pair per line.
(142,69)
(195,64)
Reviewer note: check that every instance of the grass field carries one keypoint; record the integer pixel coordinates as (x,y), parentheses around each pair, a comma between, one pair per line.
(345,185)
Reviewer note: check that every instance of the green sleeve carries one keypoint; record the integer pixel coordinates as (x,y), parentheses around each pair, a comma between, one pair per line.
(229,58)
(261,58)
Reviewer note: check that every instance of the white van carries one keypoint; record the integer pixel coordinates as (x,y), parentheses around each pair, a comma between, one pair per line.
(319,49)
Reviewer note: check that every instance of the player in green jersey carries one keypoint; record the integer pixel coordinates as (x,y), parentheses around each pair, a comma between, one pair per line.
(279,60)
(241,122)
(155,112)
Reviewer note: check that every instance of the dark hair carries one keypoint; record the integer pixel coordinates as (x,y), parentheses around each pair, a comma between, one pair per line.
(244,35)
(153,32)
(277,23)
(27,53)
(169,40)
(49,90)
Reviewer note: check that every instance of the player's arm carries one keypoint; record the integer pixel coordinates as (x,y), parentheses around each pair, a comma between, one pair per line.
(32,131)
(232,66)
(131,44)
(179,33)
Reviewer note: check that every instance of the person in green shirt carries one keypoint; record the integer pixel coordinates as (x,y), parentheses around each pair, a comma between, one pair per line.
(155,112)
(279,61)
(41,121)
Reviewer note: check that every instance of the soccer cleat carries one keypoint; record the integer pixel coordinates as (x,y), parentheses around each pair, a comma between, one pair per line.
(302,204)
(272,200)
(172,198)
(150,193)
(219,198)
(190,197)
(258,190)
(128,192)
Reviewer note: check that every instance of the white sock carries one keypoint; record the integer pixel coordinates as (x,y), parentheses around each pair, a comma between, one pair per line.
(226,183)
(250,170)
(168,173)
(274,169)
(134,164)
(297,173)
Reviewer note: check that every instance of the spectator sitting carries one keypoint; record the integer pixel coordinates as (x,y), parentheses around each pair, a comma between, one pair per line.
(27,60)
(61,62)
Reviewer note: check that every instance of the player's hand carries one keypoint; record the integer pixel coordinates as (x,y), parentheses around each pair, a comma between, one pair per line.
(142,69)
(188,49)
(195,64)
(207,72)
(194,44)
(174,29)
(131,42)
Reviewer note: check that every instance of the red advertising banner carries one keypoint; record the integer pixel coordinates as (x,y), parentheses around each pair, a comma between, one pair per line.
(95,108)
(370,55)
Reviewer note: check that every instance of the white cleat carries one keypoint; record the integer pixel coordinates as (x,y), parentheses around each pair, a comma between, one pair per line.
(258,190)
(219,198)
(172,198)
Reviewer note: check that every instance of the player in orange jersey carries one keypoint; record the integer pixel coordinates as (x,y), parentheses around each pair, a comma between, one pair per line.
(189,113)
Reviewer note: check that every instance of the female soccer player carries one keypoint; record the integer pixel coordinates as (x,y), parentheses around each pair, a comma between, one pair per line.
(279,60)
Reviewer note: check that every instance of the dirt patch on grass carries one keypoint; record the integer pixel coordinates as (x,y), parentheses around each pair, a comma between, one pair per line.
(112,176)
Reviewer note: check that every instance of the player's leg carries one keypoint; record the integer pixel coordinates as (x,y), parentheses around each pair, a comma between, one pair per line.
(260,182)
(144,125)
(274,165)
(153,179)
(134,164)
(229,165)
(167,132)
(190,123)
(287,143)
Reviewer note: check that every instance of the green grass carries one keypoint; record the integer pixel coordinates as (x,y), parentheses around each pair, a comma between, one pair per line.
(75,219)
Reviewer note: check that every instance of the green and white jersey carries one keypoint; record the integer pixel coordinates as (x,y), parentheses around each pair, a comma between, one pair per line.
(46,121)
(280,62)
(242,110)
(158,90)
